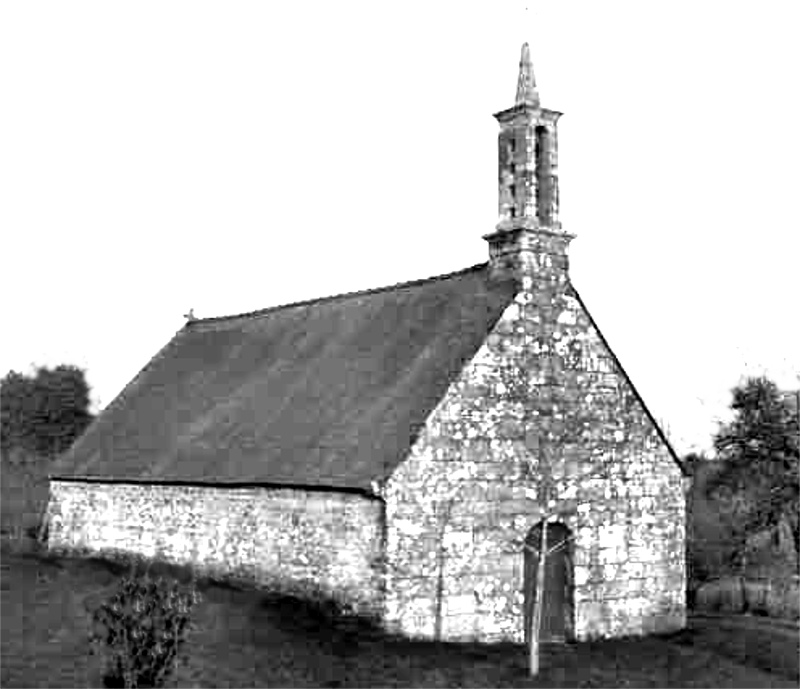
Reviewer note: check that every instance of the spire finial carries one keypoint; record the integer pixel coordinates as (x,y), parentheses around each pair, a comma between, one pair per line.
(526,84)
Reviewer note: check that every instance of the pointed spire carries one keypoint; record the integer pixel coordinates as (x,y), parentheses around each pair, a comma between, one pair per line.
(526,83)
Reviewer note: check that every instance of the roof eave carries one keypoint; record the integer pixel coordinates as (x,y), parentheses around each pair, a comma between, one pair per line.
(224,485)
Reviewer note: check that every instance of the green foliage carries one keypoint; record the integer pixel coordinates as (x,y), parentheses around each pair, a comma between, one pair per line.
(43,413)
(142,628)
(715,533)
(763,435)
(759,476)
(711,542)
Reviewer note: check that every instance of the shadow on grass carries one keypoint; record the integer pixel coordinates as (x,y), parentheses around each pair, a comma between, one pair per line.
(251,637)
(321,617)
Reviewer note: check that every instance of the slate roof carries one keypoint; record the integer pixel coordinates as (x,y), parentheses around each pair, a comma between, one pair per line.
(326,392)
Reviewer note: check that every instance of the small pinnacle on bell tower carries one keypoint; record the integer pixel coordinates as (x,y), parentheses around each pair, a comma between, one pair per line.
(526,83)
(528,240)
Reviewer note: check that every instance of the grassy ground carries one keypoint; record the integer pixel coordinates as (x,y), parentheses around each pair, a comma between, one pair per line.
(772,645)
(244,639)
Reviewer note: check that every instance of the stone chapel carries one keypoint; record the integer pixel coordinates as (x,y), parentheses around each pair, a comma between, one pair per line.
(400,449)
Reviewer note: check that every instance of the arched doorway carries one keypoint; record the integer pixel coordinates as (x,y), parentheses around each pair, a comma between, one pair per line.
(557,612)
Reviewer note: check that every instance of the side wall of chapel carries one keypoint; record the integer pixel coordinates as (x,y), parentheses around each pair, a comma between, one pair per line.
(284,539)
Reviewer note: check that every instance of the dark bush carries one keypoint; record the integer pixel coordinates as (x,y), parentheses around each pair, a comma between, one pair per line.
(141,629)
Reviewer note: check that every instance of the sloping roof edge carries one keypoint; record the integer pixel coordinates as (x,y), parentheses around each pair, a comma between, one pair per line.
(117,401)
(625,375)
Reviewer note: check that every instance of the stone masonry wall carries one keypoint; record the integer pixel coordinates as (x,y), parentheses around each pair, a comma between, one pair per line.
(541,395)
(286,538)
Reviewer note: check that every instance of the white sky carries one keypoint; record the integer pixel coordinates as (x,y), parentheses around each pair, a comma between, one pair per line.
(229,156)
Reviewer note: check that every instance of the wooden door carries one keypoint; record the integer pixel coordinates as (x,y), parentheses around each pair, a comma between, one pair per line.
(557,615)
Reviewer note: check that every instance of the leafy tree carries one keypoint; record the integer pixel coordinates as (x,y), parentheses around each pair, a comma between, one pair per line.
(694,462)
(715,537)
(760,457)
(45,412)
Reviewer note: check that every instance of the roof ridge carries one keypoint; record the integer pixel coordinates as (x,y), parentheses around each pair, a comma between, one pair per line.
(320,300)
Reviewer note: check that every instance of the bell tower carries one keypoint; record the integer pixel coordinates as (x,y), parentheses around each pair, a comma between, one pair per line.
(528,221)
